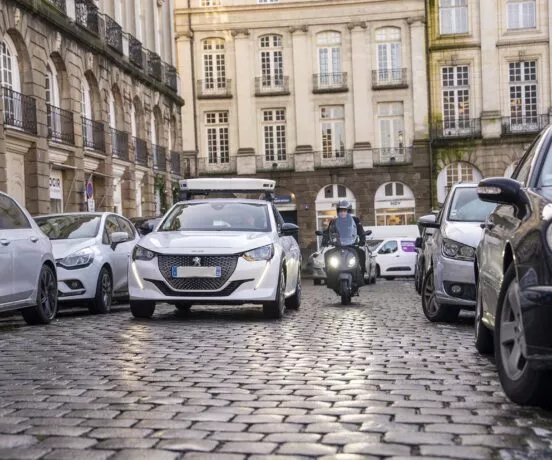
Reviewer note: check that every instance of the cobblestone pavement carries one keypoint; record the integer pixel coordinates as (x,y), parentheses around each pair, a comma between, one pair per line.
(370,380)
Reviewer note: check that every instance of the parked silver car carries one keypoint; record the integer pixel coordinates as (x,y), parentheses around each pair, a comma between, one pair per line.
(27,266)
(449,280)
(92,252)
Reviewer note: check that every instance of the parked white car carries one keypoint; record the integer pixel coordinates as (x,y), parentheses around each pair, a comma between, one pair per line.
(395,257)
(219,251)
(92,252)
(27,265)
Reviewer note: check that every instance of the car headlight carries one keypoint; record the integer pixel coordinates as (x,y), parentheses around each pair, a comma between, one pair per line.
(334,262)
(262,253)
(141,253)
(459,251)
(79,259)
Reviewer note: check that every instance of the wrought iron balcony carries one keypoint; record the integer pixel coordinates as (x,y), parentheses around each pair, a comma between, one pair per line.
(135,53)
(119,144)
(60,5)
(93,134)
(113,34)
(159,157)
(140,151)
(175,163)
(61,125)
(392,156)
(329,82)
(457,128)
(86,13)
(338,158)
(154,65)
(524,124)
(271,85)
(389,78)
(19,110)
(171,77)
(214,88)
(208,166)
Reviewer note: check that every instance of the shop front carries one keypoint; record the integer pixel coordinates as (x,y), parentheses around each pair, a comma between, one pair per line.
(394,204)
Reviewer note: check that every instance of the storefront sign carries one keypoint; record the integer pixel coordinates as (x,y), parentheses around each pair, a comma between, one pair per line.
(282,199)
(56,185)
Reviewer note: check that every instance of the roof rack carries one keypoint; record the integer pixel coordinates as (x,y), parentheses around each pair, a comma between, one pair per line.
(206,186)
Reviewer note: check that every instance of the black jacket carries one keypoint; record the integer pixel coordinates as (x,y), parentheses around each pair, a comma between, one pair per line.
(360,231)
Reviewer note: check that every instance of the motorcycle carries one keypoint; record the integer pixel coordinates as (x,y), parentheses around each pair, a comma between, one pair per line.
(343,271)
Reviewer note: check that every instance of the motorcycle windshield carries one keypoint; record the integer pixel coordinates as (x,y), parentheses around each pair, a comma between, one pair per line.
(346,231)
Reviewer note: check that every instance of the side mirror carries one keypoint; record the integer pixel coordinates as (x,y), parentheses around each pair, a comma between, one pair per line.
(418,242)
(117,238)
(428,221)
(318,232)
(289,229)
(368,232)
(501,190)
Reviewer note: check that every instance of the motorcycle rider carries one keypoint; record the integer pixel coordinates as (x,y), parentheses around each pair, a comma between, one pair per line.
(344,208)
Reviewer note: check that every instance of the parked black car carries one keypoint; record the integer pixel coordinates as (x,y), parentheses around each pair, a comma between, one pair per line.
(513,269)
(145,225)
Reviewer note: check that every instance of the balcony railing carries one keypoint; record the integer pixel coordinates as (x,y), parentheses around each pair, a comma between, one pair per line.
(214,88)
(171,77)
(175,163)
(271,85)
(265,164)
(154,65)
(113,34)
(135,54)
(140,151)
(159,158)
(524,124)
(460,128)
(338,158)
(330,82)
(228,166)
(119,144)
(87,15)
(60,5)
(61,125)
(392,156)
(389,78)
(19,110)
(93,134)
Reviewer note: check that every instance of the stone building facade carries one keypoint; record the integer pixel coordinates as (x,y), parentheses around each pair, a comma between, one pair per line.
(490,78)
(328,98)
(90,113)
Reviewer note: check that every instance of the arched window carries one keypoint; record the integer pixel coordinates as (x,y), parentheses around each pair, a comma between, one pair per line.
(394,204)
(329,59)
(214,64)
(388,43)
(54,115)
(272,61)
(453,174)
(326,201)
(9,79)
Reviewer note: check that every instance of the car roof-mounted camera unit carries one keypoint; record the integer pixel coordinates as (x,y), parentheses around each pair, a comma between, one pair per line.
(190,188)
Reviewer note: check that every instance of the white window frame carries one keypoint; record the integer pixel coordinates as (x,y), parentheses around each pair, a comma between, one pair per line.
(330,59)
(456,99)
(217,138)
(214,64)
(389,54)
(332,124)
(455,11)
(523,82)
(392,115)
(271,61)
(522,14)
(274,134)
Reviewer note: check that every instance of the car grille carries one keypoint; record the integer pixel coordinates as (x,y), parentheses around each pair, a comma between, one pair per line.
(232,286)
(226,263)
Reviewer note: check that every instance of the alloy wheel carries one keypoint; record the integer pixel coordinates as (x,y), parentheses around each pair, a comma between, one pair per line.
(48,293)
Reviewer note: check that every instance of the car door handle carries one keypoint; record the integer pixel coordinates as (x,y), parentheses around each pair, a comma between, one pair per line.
(34,239)
(4,242)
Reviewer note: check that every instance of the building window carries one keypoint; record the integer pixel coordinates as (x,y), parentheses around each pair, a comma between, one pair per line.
(214,63)
(9,79)
(389,54)
(332,127)
(211,2)
(456,98)
(272,61)
(218,148)
(391,126)
(453,16)
(523,93)
(329,59)
(274,133)
(521,14)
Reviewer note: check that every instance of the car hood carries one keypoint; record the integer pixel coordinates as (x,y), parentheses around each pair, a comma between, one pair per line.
(468,233)
(64,248)
(219,242)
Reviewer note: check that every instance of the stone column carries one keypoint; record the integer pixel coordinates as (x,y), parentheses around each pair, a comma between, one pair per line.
(419,77)
(187,82)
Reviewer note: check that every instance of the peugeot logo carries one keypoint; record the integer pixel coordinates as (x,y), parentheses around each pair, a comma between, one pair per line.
(196,261)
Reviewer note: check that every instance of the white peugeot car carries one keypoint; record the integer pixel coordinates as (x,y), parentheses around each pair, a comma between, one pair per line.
(27,266)
(218,251)
(92,252)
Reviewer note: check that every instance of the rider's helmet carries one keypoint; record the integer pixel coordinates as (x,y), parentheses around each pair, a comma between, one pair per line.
(343,208)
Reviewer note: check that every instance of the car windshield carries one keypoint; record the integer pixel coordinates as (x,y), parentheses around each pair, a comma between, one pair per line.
(69,227)
(467,207)
(373,244)
(546,170)
(217,216)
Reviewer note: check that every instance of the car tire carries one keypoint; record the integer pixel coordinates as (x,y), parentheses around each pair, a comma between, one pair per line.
(317,282)
(104,293)
(46,307)
(433,311)
(142,308)
(521,383)
(276,308)
(378,271)
(374,278)
(483,336)
(294,302)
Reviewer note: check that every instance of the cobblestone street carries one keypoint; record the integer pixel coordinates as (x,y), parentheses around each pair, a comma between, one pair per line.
(371,380)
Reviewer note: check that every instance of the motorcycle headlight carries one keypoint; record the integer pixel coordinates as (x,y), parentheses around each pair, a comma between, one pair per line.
(79,259)
(262,253)
(459,251)
(351,261)
(334,262)
(141,253)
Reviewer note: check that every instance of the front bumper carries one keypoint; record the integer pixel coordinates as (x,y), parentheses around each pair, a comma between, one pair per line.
(451,275)
(251,282)
(77,284)
(536,306)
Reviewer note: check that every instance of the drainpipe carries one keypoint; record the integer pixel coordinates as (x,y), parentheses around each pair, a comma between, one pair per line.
(194,103)
(429,102)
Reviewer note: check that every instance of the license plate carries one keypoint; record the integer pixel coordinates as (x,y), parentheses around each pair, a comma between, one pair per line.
(196,272)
